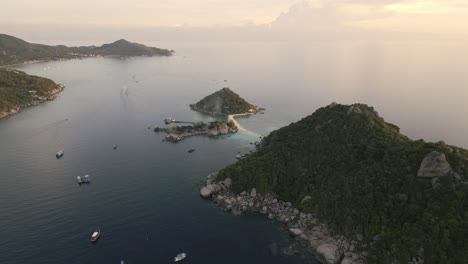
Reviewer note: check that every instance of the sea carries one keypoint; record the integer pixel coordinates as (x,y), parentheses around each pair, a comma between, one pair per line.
(144,195)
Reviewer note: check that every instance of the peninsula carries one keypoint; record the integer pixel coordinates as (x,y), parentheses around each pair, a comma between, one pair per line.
(352,189)
(17,51)
(19,90)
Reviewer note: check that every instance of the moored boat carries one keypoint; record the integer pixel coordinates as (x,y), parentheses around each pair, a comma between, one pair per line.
(191,150)
(59,154)
(83,179)
(180,257)
(96,234)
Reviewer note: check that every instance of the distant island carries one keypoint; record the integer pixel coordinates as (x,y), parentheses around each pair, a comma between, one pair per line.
(352,189)
(17,51)
(225,102)
(215,128)
(19,90)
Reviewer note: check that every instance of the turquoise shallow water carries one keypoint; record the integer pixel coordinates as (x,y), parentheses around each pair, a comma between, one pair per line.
(144,195)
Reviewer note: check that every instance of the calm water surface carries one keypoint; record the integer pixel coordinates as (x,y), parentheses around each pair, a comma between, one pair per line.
(144,195)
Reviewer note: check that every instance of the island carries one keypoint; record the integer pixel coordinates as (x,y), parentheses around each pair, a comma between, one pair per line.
(352,189)
(225,102)
(215,128)
(17,51)
(19,90)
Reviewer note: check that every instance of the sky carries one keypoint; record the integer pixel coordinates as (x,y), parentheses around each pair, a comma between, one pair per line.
(50,20)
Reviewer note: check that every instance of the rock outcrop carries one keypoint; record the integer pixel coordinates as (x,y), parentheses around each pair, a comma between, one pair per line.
(306,229)
(179,133)
(329,253)
(435,164)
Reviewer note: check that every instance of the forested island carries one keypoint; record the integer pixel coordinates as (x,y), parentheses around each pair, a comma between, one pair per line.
(19,90)
(357,190)
(16,51)
(224,102)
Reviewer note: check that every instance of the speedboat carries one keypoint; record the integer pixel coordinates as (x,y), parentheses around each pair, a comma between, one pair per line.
(180,257)
(95,236)
(59,154)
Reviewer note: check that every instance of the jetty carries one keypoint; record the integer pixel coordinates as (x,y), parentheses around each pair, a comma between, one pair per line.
(171,120)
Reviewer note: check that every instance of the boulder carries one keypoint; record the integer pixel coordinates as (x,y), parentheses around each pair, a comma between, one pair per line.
(354,109)
(223,129)
(228,182)
(306,198)
(213,132)
(347,260)
(253,193)
(295,232)
(329,253)
(435,164)
(205,192)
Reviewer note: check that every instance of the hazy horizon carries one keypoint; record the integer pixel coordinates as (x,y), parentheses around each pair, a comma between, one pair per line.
(53,22)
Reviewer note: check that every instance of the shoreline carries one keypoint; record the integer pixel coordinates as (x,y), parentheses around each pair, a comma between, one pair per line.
(310,235)
(51,96)
(198,129)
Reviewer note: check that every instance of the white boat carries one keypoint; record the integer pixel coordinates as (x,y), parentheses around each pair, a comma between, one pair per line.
(59,154)
(95,236)
(83,179)
(180,257)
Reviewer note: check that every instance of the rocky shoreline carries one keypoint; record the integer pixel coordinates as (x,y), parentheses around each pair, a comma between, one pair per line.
(179,133)
(38,100)
(310,235)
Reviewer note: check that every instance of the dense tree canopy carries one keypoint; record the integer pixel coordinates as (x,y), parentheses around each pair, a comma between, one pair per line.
(361,175)
(15,87)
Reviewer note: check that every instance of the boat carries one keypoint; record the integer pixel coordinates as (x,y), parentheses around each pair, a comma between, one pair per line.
(83,179)
(59,154)
(180,257)
(191,150)
(95,236)
(115,146)
(238,157)
(169,120)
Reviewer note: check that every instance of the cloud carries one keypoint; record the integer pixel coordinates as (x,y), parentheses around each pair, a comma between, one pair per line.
(330,15)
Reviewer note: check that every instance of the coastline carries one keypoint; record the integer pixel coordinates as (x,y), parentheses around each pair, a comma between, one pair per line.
(51,96)
(310,235)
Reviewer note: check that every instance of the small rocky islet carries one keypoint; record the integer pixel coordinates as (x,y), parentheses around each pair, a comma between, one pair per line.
(215,128)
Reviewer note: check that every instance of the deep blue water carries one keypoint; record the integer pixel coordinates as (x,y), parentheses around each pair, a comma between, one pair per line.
(144,195)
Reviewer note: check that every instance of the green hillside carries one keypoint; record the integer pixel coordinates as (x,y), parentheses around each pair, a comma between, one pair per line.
(224,101)
(361,175)
(18,89)
(14,50)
